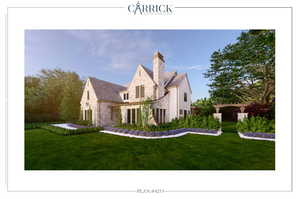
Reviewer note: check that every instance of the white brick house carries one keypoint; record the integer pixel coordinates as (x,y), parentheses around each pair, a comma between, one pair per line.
(105,103)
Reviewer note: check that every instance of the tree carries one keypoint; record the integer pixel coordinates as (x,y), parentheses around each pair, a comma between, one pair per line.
(205,106)
(52,95)
(244,71)
(70,102)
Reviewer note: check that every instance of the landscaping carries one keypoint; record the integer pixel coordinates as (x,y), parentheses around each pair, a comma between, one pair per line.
(98,151)
(191,121)
(256,127)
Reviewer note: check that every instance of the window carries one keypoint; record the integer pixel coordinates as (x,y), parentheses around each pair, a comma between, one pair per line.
(185,97)
(128,116)
(125,96)
(142,91)
(164,115)
(133,116)
(88,95)
(137,92)
(160,116)
(180,111)
(156,115)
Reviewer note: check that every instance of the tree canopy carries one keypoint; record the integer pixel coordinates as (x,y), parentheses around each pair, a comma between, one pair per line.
(244,71)
(52,95)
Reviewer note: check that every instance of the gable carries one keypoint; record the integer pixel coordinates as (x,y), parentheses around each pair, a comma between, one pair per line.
(141,76)
(178,80)
(88,90)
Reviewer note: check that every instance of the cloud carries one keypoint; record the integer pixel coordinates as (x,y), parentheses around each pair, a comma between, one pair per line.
(196,67)
(121,49)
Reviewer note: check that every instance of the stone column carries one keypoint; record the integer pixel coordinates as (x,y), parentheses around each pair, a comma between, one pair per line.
(218,116)
(242,116)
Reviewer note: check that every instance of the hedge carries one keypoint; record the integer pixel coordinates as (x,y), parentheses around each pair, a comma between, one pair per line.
(191,121)
(63,131)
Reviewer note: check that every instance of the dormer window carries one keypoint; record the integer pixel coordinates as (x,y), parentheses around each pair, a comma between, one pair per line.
(125,96)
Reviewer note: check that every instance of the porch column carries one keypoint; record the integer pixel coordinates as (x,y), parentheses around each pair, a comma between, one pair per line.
(218,115)
(242,115)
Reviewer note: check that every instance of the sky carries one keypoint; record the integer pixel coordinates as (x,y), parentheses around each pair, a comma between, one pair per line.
(113,55)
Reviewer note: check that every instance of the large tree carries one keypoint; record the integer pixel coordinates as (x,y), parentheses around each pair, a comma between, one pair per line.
(244,71)
(52,95)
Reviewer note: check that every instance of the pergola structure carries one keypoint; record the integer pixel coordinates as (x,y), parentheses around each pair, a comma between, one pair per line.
(241,106)
(241,115)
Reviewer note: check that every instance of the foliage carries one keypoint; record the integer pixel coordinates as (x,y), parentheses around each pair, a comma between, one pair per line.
(262,110)
(244,71)
(145,112)
(44,150)
(256,124)
(70,103)
(52,95)
(205,106)
(191,121)
(82,122)
(63,131)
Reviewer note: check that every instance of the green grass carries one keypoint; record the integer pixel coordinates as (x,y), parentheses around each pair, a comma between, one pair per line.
(47,151)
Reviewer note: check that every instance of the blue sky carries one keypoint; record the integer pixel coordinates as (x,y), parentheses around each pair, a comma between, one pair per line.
(113,55)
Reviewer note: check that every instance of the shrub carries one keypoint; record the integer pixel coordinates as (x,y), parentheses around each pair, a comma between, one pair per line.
(256,124)
(63,131)
(262,110)
(83,122)
(203,107)
(36,125)
(191,121)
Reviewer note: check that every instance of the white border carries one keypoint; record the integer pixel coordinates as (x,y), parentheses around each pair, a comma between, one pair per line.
(160,137)
(20,19)
(254,138)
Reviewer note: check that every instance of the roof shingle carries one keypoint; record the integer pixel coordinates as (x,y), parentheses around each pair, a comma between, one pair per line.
(106,90)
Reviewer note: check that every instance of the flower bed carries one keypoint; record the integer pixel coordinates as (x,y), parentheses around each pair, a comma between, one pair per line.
(65,129)
(257,136)
(159,134)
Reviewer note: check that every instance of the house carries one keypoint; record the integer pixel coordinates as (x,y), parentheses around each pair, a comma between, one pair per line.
(169,94)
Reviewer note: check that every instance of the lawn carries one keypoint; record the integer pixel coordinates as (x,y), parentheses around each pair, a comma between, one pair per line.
(97,151)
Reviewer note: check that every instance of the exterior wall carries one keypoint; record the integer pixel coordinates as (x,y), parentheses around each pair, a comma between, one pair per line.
(173,103)
(141,78)
(182,88)
(105,114)
(91,103)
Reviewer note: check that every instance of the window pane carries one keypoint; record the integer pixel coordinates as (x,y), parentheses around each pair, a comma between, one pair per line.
(128,116)
(133,116)
(137,92)
(142,91)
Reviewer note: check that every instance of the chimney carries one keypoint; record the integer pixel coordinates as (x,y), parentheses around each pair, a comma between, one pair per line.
(158,73)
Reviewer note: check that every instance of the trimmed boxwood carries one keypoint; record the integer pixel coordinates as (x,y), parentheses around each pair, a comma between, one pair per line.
(63,131)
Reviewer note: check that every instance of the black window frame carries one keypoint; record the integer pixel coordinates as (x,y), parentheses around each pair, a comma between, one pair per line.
(185,97)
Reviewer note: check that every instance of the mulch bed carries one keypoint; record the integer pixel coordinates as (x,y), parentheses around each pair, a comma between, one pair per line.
(159,133)
(259,134)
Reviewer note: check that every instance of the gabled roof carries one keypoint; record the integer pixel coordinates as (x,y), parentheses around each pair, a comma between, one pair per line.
(177,79)
(148,71)
(106,90)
